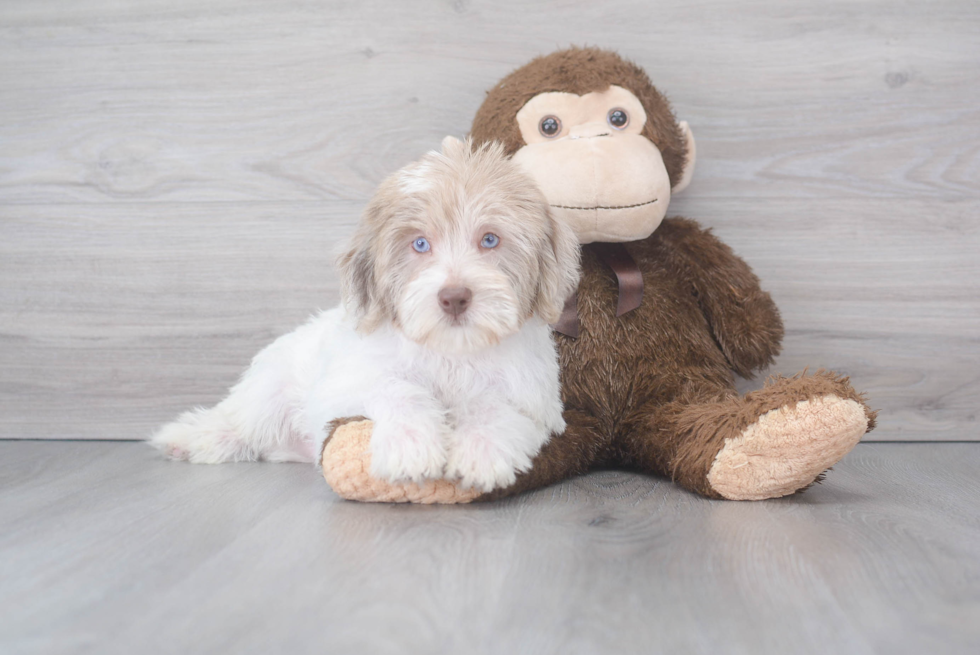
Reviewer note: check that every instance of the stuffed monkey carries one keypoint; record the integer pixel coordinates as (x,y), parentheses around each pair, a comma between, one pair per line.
(665,313)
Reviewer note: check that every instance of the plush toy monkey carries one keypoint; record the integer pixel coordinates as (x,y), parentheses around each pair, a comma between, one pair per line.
(663,316)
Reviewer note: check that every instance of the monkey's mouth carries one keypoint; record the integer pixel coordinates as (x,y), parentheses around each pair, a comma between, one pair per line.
(639,204)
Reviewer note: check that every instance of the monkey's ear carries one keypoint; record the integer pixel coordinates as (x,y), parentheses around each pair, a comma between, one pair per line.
(559,271)
(359,290)
(689,160)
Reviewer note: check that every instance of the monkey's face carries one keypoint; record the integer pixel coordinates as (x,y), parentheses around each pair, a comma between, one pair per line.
(598,171)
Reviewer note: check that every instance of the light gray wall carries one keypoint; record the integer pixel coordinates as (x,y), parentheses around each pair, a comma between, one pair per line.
(175,174)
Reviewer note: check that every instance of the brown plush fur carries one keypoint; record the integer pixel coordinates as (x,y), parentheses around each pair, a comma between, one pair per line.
(579,71)
(653,390)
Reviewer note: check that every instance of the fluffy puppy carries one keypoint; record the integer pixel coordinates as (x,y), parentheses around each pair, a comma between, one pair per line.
(442,338)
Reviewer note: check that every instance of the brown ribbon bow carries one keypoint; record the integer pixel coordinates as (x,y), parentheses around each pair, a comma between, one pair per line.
(628,276)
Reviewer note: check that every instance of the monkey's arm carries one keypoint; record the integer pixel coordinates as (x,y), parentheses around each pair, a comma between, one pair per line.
(743,318)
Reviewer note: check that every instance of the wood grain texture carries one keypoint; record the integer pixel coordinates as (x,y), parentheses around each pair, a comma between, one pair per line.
(174,176)
(108,548)
(249,100)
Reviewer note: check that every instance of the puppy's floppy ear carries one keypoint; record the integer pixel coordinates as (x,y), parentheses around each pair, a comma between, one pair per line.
(359,289)
(559,270)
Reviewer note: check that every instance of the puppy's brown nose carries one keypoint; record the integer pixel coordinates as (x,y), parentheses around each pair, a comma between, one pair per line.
(455,300)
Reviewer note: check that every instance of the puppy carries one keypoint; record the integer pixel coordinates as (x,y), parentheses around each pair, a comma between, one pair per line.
(442,337)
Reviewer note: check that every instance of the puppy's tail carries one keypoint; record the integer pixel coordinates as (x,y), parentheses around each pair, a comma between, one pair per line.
(203,436)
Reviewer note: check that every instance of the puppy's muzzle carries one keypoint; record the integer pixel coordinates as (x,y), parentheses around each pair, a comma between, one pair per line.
(455,300)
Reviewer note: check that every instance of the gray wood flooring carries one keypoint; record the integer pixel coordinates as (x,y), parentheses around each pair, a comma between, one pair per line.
(108,548)
(175,174)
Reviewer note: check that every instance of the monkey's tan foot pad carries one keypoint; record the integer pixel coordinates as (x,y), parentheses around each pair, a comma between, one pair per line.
(787,448)
(346,466)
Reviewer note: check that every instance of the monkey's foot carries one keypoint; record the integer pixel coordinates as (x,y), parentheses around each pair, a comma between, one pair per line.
(346,462)
(786,449)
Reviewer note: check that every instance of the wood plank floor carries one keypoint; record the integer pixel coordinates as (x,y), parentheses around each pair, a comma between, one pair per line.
(107,548)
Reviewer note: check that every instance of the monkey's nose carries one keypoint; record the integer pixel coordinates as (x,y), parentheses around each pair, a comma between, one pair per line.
(455,300)
(588,130)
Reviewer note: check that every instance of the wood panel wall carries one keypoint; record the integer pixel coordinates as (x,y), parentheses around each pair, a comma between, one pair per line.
(175,177)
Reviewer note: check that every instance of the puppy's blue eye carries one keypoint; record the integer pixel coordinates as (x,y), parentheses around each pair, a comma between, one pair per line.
(421,244)
(490,240)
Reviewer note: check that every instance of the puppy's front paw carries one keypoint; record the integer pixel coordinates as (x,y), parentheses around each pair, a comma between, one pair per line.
(401,452)
(480,461)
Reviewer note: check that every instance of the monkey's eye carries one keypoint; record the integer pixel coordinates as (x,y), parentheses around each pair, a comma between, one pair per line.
(618,118)
(421,245)
(489,240)
(549,126)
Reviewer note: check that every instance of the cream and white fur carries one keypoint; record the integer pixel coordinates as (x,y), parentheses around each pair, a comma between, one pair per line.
(471,395)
